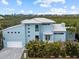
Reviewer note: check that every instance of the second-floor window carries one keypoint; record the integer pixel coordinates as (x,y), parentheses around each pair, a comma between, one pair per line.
(36,28)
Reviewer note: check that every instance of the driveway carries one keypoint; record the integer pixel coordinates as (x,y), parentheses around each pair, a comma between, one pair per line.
(11,53)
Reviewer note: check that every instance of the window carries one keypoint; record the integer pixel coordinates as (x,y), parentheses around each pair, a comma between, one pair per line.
(11,32)
(28,28)
(37,37)
(28,24)
(36,28)
(46,24)
(15,32)
(18,32)
(47,37)
(7,32)
(28,35)
(28,31)
(58,33)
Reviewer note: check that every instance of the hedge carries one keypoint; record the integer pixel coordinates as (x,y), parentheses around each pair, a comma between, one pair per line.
(47,49)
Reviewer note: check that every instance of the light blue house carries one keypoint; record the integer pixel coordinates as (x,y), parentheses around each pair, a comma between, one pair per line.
(36,28)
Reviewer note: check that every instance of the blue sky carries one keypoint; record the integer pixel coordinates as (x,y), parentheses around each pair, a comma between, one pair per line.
(39,6)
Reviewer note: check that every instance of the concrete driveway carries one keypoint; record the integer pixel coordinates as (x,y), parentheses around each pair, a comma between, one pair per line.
(11,53)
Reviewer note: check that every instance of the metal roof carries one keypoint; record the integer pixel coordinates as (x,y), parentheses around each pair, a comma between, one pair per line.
(1,17)
(44,20)
(59,27)
(38,20)
(11,27)
(30,21)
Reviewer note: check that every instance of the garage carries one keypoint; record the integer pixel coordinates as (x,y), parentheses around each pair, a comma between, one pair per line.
(14,44)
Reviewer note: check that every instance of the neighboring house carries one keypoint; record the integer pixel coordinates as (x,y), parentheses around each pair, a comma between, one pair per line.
(36,28)
(1,17)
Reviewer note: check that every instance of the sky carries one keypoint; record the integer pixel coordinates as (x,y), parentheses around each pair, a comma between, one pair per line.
(39,7)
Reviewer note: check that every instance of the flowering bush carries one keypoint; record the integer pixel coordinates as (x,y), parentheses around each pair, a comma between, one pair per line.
(72,49)
(47,49)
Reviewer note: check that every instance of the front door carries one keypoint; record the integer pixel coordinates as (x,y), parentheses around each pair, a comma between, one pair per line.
(37,37)
(47,37)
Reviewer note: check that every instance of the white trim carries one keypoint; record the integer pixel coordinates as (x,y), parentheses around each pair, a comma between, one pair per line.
(11,27)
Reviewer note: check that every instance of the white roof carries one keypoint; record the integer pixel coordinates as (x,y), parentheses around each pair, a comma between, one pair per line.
(30,21)
(44,20)
(38,20)
(59,27)
(1,17)
(11,27)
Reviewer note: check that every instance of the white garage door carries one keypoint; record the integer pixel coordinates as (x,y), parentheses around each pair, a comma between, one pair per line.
(14,44)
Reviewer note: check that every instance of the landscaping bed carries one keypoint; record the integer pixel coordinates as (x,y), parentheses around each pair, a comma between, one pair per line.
(45,49)
(53,58)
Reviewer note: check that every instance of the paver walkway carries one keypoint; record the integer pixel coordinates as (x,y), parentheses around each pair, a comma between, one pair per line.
(11,53)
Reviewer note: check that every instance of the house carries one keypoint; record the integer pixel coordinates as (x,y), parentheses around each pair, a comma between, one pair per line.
(36,28)
(1,17)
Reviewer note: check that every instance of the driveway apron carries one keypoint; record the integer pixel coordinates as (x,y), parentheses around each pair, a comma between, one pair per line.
(11,53)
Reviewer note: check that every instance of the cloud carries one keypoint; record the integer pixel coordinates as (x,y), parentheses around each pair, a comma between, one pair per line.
(47,3)
(53,11)
(4,2)
(30,11)
(19,2)
(22,11)
(25,12)
(74,12)
(73,7)
(9,11)
(59,11)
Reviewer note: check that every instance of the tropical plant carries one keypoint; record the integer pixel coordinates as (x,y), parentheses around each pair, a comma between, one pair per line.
(72,48)
(39,48)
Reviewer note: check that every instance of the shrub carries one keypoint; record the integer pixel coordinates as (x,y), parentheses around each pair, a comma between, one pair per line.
(38,48)
(56,48)
(72,48)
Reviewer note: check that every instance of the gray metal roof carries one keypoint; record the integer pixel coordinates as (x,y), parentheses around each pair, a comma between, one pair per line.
(38,20)
(1,17)
(59,27)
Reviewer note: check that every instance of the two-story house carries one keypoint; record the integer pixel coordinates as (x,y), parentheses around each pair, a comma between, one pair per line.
(30,29)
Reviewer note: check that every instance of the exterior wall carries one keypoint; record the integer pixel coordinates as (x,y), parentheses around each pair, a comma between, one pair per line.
(60,37)
(12,36)
(30,33)
(27,33)
(42,29)
(46,29)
